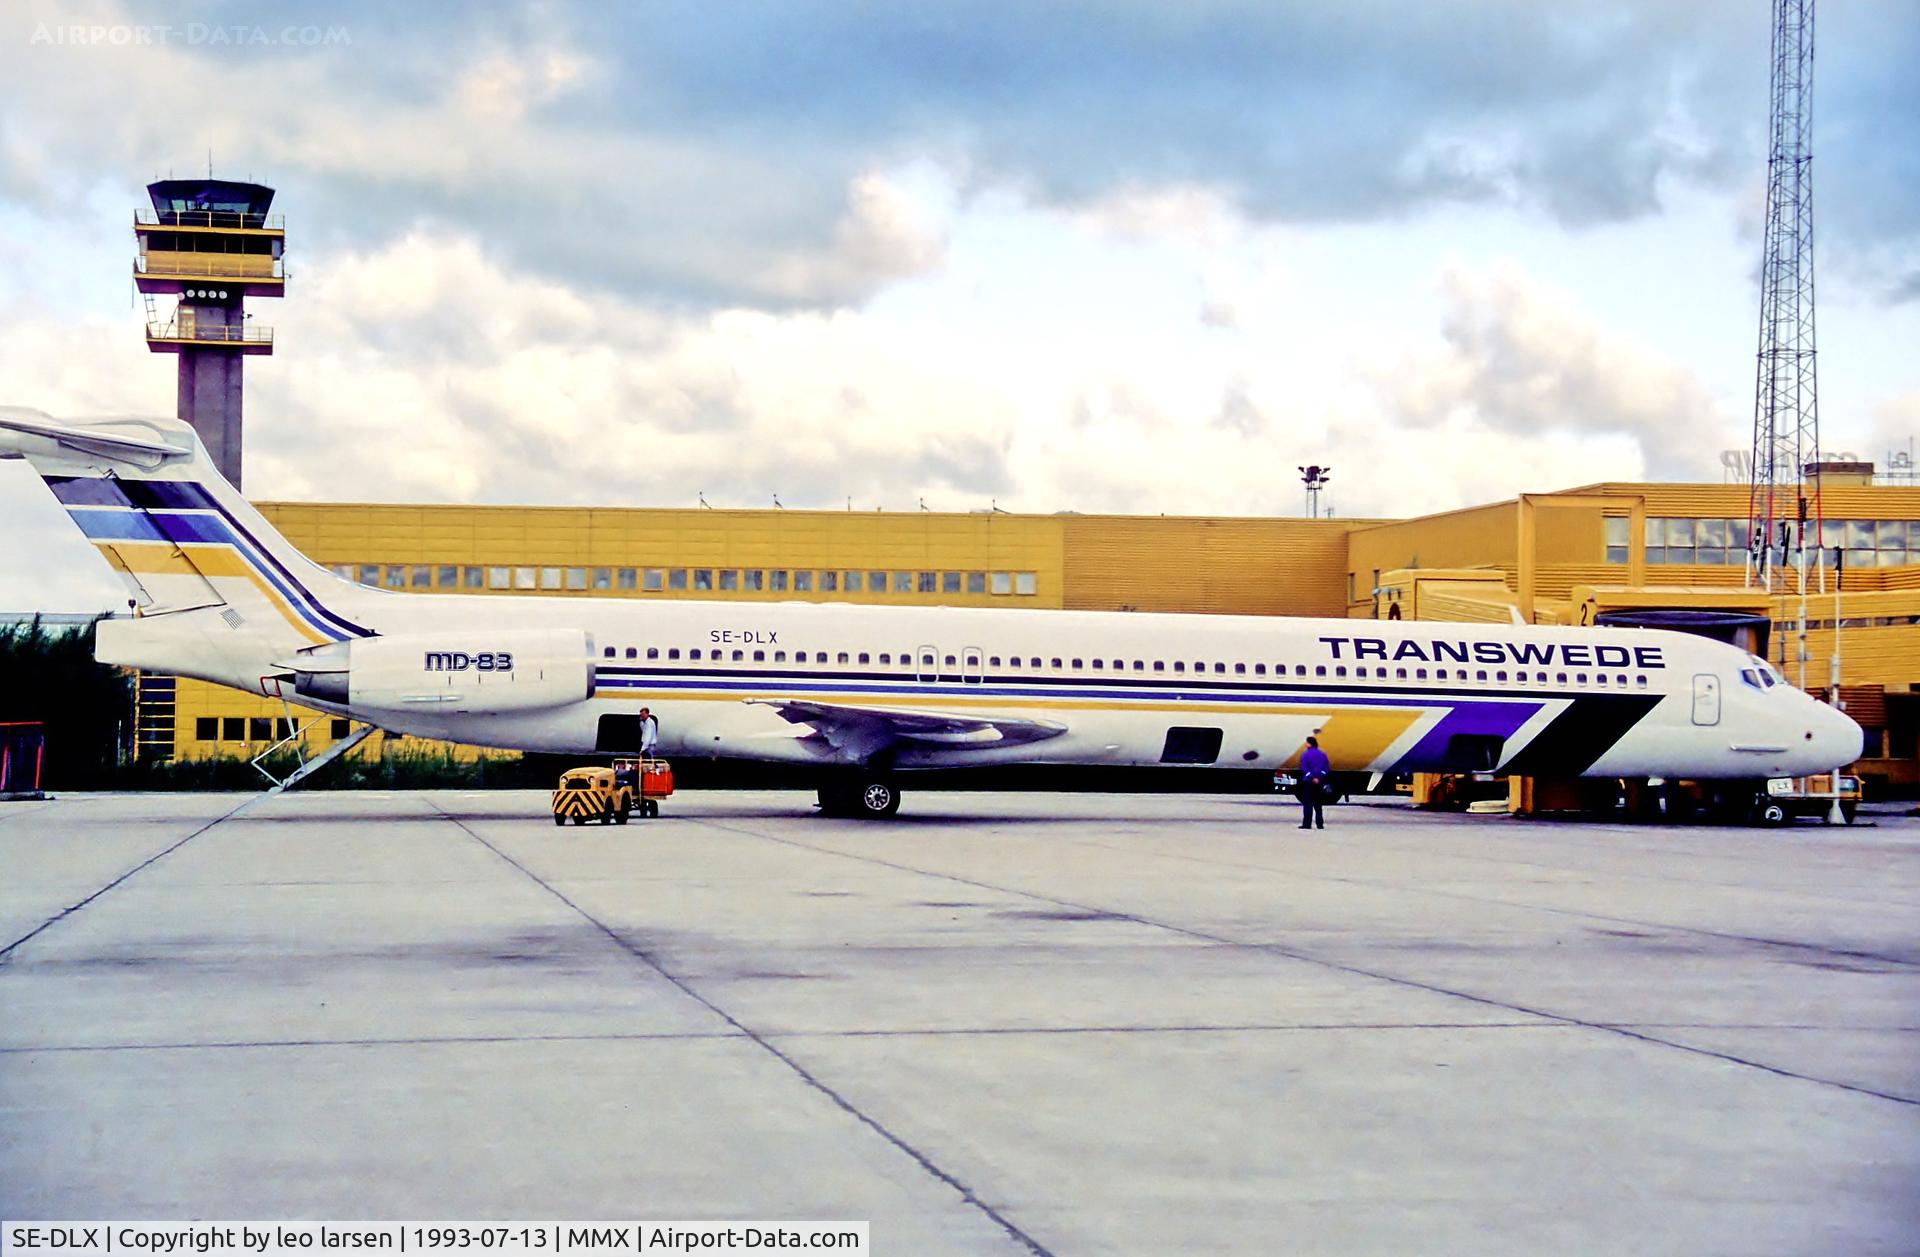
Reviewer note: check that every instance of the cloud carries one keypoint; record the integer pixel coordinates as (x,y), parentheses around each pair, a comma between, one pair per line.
(1521,360)
(714,157)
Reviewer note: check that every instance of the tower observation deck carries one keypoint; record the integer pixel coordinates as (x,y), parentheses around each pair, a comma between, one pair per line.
(211,243)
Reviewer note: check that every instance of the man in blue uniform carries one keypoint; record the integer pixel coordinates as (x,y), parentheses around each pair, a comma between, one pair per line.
(1315,777)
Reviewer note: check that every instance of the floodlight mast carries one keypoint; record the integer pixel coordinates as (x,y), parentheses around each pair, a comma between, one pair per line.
(1314,477)
(1784,490)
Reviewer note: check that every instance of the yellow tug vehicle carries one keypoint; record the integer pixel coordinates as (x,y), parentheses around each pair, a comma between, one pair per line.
(587,793)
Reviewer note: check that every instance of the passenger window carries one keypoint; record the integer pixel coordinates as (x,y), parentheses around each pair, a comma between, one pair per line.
(1579,678)
(1340,671)
(1077,665)
(1099,664)
(1500,676)
(607,653)
(1380,672)
(1319,669)
(1259,669)
(1159,665)
(1034,663)
(842,656)
(1400,674)
(1480,675)
(653,652)
(1541,677)
(632,653)
(1179,665)
(1056,661)
(738,655)
(673,652)
(1439,674)
(865,659)
(1640,682)
(1560,677)
(993,661)
(779,656)
(759,656)
(885,657)
(1139,665)
(1300,670)
(1419,674)
(1599,678)
(693,654)
(1239,669)
(1219,667)
(1621,680)
(950,661)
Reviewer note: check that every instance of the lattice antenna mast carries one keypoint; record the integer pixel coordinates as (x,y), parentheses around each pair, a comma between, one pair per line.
(1784,502)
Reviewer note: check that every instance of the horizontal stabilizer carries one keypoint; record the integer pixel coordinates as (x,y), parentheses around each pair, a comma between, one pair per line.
(136,442)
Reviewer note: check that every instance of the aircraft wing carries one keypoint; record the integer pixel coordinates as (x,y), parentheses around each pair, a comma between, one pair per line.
(860,731)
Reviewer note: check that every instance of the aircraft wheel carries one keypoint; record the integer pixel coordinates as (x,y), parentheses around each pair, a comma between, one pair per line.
(876,799)
(1772,814)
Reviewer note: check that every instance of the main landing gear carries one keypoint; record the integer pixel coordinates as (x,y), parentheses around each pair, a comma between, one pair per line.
(867,796)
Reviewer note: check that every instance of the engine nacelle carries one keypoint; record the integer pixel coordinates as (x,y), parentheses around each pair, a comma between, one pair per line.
(464,672)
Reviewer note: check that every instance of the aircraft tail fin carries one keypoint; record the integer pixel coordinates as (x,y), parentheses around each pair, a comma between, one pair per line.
(147,495)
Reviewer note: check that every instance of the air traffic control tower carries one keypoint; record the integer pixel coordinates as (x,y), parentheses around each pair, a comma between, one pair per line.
(212,244)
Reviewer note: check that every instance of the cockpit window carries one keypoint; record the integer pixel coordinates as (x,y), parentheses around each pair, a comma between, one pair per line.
(1762,675)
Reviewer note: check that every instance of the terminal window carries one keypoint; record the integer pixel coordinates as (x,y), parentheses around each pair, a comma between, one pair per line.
(677,578)
(976,582)
(803,582)
(702,578)
(777,581)
(730,579)
(603,578)
(949,582)
(396,578)
(926,582)
(756,580)
(853,581)
(207,729)
(449,578)
(830,581)
(1025,583)
(549,578)
(1003,582)
(422,578)
(652,580)
(499,578)
(523,578)
(903,582)
(233,728)
(577,578)
(471,577)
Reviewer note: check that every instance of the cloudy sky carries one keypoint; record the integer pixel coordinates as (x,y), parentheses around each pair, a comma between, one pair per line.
(1101,256)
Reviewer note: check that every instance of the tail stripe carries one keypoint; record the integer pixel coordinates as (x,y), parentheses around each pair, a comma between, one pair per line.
(158,510)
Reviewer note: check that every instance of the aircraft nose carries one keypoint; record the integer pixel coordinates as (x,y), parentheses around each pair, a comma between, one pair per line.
(1833,738)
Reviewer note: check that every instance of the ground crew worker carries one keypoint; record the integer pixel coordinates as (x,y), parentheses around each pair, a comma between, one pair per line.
(649,733)
(1316,781)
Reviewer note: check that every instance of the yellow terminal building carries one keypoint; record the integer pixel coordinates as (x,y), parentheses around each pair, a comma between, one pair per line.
(1607,551)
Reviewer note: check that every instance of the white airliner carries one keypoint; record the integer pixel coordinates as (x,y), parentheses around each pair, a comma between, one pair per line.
(868,693)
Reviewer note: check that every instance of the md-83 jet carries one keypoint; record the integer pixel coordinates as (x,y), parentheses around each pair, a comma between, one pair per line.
(867,695)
